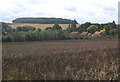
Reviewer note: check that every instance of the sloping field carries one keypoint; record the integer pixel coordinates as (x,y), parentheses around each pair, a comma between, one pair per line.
(41,26)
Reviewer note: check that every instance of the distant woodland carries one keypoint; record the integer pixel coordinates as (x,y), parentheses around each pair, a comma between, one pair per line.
(44,20)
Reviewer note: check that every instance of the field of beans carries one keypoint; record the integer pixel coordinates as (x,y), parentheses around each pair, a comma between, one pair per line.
(60,60)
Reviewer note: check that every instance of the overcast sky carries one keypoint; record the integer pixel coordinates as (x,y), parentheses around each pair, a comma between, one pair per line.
(96,11)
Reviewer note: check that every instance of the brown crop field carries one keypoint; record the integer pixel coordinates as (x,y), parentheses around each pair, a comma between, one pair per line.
(56,60)
(41,26)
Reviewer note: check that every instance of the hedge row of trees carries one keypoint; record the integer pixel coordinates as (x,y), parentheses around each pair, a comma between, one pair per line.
(55,32)
(32,34)
(44,20)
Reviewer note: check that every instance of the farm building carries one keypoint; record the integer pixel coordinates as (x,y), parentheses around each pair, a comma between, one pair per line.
(74,33)
(89,34)
(97,33)
(84,33)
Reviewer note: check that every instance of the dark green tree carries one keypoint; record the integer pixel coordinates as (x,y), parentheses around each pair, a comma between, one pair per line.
(48,28)
(113,32)
(39,29)
(107,28)
(5,28)
(56,27)
(92,28)
(25,28)
(73,26)
(83,27)
(114,25)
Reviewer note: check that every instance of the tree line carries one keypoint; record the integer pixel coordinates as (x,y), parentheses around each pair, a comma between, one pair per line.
(44,20)
(29,33)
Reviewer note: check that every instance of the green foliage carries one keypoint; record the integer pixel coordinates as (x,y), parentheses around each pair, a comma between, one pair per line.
(72,27)
(92,28)
(48,28)
(56,27)
(75,22)
(26,28)
(52,35)
(44,20)
(98,25)
(28,33)
(5,28)
(73,37)
(107,28)
(114,25)
(60,34)
(113,32)
(38,29)
(66,35)
(19,36)
(83,27)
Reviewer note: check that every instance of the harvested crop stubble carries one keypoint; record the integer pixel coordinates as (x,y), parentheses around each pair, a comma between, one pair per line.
(74,59)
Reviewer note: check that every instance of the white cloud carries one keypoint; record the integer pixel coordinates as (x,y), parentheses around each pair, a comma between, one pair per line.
(81,10)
